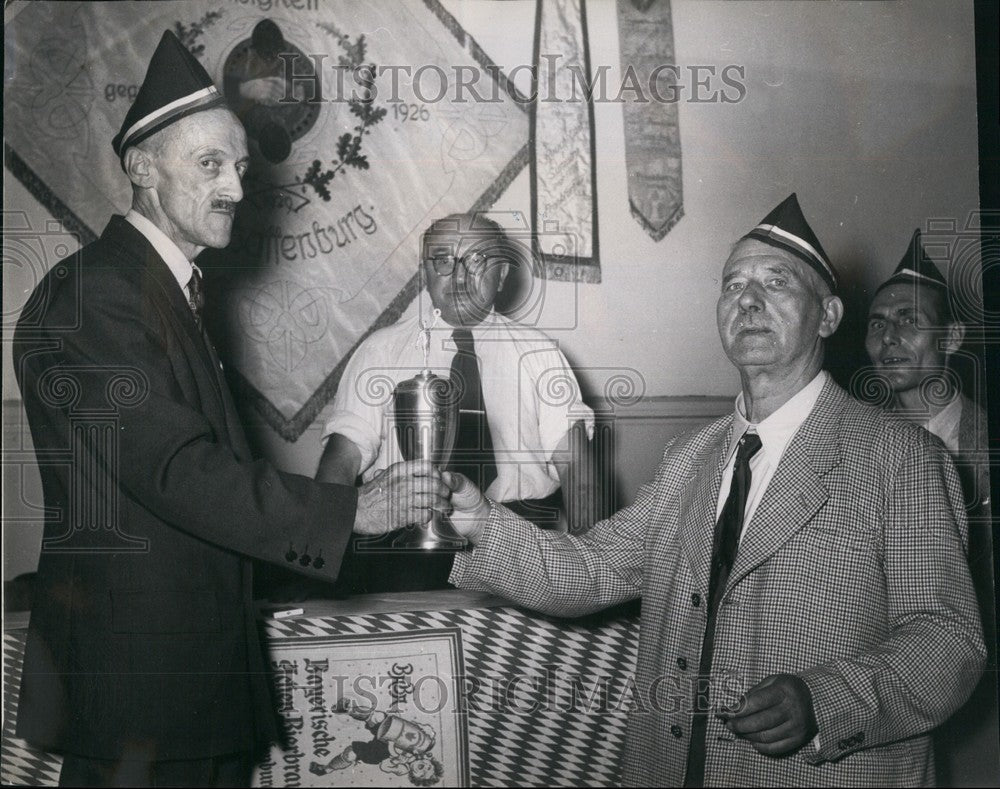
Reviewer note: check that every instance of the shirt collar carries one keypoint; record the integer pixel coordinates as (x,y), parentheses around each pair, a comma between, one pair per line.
(944,424)
(176,261)
(777,430)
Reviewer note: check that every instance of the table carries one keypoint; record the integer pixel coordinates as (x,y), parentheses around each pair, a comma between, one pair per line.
(455,687)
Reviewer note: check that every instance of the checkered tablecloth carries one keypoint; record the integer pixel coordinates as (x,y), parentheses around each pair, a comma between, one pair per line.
(562,723)
(20,764)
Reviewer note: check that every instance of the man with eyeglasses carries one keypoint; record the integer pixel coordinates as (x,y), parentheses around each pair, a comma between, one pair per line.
(523,425)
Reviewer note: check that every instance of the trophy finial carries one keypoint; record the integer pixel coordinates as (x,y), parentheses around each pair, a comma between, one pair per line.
(424,336)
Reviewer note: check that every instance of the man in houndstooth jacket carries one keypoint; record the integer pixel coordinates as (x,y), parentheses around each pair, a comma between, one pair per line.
(846,628)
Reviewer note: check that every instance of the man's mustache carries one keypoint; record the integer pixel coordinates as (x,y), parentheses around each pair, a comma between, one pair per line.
(224,205)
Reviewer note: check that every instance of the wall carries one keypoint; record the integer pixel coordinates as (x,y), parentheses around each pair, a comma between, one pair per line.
(866,110)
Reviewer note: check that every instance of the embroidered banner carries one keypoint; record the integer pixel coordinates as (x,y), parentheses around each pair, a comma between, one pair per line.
(652,132)
(360,131)
(563,178)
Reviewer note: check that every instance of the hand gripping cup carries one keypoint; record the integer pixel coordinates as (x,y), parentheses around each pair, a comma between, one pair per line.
(426,414)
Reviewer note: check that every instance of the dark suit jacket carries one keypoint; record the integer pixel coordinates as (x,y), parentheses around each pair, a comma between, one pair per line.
(142,642)
(974,469)
(967,748)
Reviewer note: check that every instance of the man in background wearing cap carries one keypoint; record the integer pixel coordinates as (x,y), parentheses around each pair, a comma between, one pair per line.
(142,663)
(912,336)
(823,642)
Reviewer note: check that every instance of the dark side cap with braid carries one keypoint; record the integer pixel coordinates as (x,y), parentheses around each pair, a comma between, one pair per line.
(786,228)
(176,85)
(916,268)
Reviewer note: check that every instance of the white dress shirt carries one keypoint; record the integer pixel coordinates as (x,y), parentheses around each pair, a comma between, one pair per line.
(945,423)
(176,261)
(775,434)
(529,391)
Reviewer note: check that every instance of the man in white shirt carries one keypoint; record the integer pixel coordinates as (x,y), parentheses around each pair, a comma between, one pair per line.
(912,337)
(531,450)
(809,623)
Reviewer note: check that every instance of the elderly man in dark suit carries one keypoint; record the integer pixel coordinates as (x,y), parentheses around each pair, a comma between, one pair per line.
(142,664)
(808,615)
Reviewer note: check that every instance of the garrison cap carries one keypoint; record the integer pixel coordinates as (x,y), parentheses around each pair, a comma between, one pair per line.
(176,85)
(786,228)
(916,268)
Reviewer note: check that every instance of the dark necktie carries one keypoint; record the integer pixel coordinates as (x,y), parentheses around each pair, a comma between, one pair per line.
(724,545)
(473,453)
(196,295)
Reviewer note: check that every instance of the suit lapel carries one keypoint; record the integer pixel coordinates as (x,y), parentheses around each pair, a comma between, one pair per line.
(237,438)
(700,497)
(159,283)
(796,491)
(160,286)
(162,281)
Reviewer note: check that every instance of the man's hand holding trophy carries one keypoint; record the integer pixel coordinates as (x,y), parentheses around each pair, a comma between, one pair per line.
(403,494)
(470,509)
(444,509)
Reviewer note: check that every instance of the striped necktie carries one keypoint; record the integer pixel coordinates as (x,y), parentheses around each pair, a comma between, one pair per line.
(196,295)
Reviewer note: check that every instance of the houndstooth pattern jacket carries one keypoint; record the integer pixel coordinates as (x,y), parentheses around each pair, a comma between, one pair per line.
(852,574)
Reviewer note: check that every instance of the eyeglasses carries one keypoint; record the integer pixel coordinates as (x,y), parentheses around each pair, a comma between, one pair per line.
(444,266)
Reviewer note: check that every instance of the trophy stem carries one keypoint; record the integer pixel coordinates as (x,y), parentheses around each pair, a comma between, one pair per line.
(435,535)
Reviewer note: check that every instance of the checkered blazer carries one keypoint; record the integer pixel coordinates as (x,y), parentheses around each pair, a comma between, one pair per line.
(852,574)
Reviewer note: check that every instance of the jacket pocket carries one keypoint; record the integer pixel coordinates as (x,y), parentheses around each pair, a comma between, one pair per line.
(838,540)
(168,611)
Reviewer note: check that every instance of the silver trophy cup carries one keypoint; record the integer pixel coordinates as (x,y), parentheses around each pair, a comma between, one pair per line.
(426,412)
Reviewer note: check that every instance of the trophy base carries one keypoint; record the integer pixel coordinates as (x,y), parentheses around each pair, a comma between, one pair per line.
(436,535)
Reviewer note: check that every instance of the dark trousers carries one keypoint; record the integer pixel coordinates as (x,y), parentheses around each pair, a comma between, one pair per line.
(224,771)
